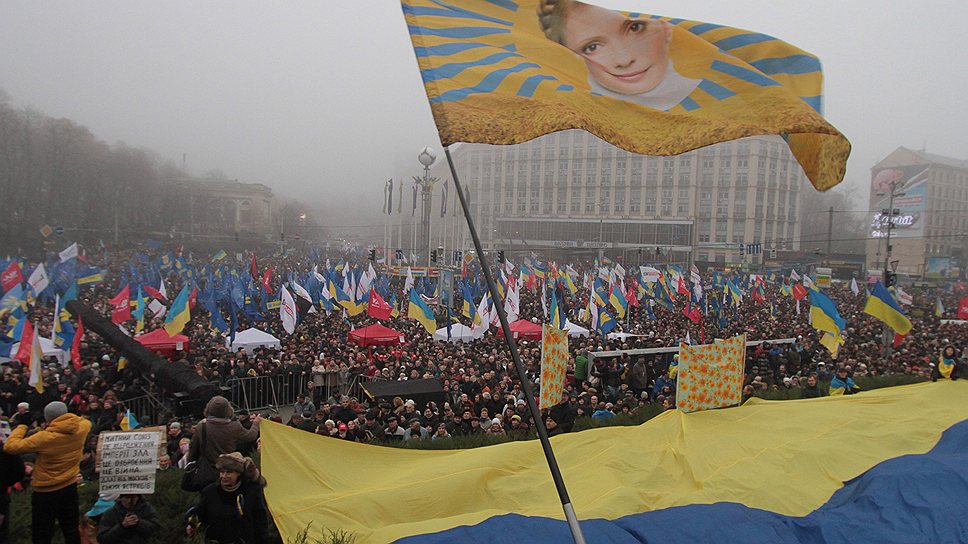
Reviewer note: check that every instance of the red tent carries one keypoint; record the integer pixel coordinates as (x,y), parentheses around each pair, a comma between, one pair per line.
(159,342)
(376,335)
(525,329)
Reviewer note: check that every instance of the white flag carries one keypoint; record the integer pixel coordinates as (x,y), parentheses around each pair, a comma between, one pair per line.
(69,253)
(794,276)
(649,274)
(409,284)
(36,379)
(483,321)
(903,297)
(287,311)
(808,283)
(694,275)
(512,303)
(38,280)
(853,286)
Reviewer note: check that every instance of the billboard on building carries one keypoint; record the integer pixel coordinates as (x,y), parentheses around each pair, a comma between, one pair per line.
(910,184)
(938,267)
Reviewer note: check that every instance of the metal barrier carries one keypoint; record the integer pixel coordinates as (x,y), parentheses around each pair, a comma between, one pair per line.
(147,409)
(592,355)
(259,393)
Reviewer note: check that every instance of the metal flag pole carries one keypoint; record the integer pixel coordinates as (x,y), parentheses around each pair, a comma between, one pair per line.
(576,533)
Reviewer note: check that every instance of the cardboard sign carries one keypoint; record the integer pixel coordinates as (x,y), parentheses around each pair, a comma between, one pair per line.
(128,461)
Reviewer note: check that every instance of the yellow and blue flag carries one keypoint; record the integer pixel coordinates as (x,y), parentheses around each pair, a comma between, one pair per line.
(336,293)
(605,321)
(179,314)
(503,72)
(139,312)
(418,310)
(219,256)
(938,308)
(824,314)
(618,300)
(882,305)
(128,422)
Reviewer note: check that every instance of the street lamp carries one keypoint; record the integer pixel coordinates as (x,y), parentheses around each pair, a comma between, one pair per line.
(891,213)
(427,157)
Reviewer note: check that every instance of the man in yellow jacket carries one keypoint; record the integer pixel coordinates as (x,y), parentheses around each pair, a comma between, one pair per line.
(59,448)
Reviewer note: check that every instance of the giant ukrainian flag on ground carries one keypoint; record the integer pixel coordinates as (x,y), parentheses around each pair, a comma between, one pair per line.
(731,468)
(504,72)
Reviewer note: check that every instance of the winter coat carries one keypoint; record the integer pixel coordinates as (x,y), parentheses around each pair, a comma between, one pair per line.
(59,449)
(110,530)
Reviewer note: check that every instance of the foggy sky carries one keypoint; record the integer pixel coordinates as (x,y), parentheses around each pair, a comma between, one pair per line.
(322,99)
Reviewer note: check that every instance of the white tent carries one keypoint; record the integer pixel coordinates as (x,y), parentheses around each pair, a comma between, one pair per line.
(47,347)
(250,339)
(576,330)
(458,333)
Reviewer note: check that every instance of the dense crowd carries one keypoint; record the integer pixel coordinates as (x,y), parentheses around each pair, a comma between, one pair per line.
(482,395)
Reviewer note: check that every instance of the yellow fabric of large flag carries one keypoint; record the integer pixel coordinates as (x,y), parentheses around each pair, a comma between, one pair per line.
(373,492)
(503,72)
(554,365)
(711,376)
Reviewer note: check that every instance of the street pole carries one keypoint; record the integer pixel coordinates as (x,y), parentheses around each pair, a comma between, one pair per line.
(830,228)
(887,336)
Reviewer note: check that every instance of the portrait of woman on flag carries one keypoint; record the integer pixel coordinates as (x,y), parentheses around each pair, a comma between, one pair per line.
(630,58)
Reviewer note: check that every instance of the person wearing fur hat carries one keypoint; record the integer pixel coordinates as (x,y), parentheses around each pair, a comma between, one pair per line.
(218,433)
(59,449)
(233,509)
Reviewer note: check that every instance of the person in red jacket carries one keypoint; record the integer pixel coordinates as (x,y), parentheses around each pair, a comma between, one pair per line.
(59,448)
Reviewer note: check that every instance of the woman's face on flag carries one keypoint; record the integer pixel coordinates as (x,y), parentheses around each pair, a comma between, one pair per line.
(626,56)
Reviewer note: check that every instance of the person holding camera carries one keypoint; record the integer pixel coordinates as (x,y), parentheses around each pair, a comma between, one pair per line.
(59,448)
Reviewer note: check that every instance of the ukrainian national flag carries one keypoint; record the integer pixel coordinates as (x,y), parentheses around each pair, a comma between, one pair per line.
(824,314)
(128,422)
(735,295)
(618,300)
(938,308)
(418,310)
(179,314)
(557,311)
(339,295)
(605,321)
(882,305)
(219,256)
(570,282)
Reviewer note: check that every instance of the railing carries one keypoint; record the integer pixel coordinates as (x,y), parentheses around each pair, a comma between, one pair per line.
(260,393)
(147,409)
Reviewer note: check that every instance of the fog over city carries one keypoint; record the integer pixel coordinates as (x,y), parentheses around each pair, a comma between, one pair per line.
(322,101)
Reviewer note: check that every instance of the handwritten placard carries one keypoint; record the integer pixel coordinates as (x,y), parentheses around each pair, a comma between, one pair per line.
(128,461)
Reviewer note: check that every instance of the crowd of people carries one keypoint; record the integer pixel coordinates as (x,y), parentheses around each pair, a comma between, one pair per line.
(482,394)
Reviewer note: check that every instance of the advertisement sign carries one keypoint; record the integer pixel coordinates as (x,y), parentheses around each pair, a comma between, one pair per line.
(909,184)
(938,267)
(446,287)
(823,277)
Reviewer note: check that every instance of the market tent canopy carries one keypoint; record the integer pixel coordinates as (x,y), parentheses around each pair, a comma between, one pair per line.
(421,391)
(159,342)
(47,347)
(525,329)
(576,330)
(251,339)
(458,333)
(376,335)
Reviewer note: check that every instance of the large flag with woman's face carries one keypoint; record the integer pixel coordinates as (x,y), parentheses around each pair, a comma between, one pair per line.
(504,72)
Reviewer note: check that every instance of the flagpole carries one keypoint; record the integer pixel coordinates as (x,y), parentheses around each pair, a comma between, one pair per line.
(576,532)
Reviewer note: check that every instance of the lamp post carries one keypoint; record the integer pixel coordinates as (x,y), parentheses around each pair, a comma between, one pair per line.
(427,157)
(890,213)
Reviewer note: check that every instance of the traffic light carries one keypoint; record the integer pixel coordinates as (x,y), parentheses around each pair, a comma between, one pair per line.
(890,279)
(500,256)
(371,255)
(433,256)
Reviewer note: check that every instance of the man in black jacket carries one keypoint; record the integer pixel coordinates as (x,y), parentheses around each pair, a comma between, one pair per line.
(131,519)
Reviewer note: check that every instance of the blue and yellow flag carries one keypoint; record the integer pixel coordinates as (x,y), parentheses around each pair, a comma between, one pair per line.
(139,312)
(336,293)
(128,422)
(418,310)
(618,301)
(605,321)
(503,72)
(882,305)
(179,314)
(824,314)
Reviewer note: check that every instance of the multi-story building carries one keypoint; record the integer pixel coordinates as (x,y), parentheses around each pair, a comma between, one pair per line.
(223,207)
(571,194)
(928,215)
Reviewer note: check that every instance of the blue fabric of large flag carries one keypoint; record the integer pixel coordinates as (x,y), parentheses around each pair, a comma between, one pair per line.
(881,304)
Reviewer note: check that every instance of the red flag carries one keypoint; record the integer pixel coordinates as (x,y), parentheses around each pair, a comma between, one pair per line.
(122,306)
(192,298)
(76,344)
(26,342)
(154,293)
(681,288)
(253,269)
(378,307)
(899,339)
(632,295)
(799,291)
(11,277)
(757,296)
(265,279)
(702,332)
(963,308)
(692,313)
